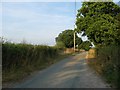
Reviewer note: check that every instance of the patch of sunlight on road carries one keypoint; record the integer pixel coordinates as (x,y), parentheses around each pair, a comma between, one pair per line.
(62,74)
(76,60)
(79,57)
(84,63)
(70,71)
(70,64)
(65,77)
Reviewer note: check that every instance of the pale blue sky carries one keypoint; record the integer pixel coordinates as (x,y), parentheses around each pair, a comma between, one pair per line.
(36,22)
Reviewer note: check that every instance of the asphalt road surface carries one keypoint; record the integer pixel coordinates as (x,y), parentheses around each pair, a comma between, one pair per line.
(71,72)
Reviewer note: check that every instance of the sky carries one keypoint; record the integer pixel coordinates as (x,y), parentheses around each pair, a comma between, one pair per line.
(36,22)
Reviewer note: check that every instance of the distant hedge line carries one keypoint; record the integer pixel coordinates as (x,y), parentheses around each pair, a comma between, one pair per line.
(23,55)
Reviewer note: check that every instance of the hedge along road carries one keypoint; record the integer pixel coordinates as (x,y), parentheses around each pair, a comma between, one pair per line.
(71,72)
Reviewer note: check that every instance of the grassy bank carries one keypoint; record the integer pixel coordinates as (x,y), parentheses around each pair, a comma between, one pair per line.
(20,60)
(106,62)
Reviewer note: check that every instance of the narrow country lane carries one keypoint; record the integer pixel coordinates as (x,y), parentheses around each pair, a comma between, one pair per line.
(71,72)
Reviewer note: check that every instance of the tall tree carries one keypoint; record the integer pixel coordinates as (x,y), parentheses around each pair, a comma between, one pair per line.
(66,37)
(97,21)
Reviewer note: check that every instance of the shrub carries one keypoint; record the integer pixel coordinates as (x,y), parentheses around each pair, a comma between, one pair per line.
(107,63)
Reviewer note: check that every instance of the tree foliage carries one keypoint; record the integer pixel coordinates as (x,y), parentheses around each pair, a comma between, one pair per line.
(60,45)
(97,21)
(118,26)
(67,38)
(86,45)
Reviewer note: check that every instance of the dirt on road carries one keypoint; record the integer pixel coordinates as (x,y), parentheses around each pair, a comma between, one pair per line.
(72,72)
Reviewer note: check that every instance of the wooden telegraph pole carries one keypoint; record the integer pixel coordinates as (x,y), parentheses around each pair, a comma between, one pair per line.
(74,26)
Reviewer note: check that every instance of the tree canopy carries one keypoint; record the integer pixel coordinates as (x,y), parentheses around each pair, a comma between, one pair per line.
(97,21)
(86,45)
(67,38)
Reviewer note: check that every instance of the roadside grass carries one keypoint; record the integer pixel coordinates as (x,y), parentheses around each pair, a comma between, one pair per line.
(106,62)
(21,60)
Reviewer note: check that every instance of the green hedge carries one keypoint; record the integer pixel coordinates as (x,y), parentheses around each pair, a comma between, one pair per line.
(23,55)
(107,63)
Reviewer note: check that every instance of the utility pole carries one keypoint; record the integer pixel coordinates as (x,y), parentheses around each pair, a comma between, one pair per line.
(74,39)
(74,26)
